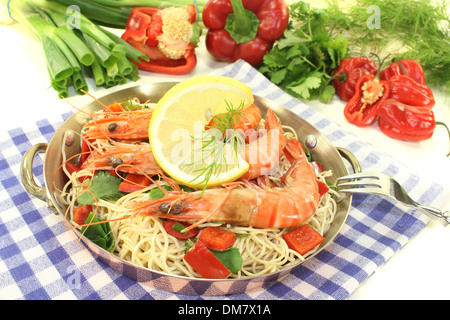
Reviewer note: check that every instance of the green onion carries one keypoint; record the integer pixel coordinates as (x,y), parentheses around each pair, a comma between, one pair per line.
(114,13)
(77,49)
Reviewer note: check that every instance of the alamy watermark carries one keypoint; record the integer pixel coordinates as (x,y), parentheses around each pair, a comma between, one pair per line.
(374,21)
(74,19)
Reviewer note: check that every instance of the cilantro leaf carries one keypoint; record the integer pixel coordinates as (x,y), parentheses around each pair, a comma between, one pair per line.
(303,89)
(103,186)
(327,94)
(303,60)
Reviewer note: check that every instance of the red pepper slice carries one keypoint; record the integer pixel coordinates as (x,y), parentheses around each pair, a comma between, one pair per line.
(168,226)
(144,26)
(362,109)
(205,263)
(217,239)
(303,239)
(80,214)
(250,31)
(347,75)
(134,182)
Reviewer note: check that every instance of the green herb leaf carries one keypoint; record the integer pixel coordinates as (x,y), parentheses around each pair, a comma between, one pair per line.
(304,88)
(327,94)
(303,60)
(178,227)
(230,258)
(157,193)
(103,186)
(100,233)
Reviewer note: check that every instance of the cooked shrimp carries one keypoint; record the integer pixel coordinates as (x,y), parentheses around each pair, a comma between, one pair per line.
(263,154)
(125,157)
(261,208)
(119,124)
(244,120)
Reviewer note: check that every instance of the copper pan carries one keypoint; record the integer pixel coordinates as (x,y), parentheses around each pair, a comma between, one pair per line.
(320,147)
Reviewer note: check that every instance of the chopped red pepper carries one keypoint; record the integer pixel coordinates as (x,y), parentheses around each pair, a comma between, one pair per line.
(168,226)
(370,94)
(80,214)
(348,74)
(164,36)
(205,263)
(303,239)
(134,182)
(71,168)
(244,29)
(217,239)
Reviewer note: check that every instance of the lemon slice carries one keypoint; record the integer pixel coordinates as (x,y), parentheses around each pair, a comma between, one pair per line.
(177,134)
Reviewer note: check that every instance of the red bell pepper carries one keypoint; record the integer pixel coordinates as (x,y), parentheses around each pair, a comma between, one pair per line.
(370,94)
(217,239)
(410,68)
(404,122)
(407,114)
(406,90)
(205,263)
(303,239)
(164,36)
(347,75)
(243,29)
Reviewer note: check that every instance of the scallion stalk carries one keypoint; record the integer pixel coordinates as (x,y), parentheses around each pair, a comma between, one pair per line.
(114,13)
(73,51)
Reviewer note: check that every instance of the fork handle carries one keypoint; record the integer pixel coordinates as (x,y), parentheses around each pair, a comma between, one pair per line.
(436,213)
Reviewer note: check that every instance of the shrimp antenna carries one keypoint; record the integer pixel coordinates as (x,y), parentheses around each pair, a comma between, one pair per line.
(90,95)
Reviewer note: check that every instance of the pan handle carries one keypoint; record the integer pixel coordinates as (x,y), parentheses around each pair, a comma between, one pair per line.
(26,171)
(350,157)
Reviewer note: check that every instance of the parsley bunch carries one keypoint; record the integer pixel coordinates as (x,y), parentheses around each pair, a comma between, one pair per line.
(302,62)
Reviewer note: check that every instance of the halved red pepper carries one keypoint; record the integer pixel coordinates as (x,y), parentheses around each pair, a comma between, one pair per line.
(243,29)
(410,68)
(347,75)
(370,94)
(167,45)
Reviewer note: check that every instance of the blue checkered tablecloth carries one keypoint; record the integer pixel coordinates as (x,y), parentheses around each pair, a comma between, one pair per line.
(39,255)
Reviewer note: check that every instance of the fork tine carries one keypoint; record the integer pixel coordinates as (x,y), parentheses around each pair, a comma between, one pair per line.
(361,175)
(362,190)
(359,183)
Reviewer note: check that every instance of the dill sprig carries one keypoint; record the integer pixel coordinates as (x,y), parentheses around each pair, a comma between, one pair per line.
(222,131)
(409,29)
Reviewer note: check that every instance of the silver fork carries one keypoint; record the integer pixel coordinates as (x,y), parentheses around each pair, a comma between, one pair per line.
(386,186)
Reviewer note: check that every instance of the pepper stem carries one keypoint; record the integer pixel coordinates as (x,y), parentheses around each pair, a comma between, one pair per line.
(448,132)
(400,64)
(380,62)
(242,24)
